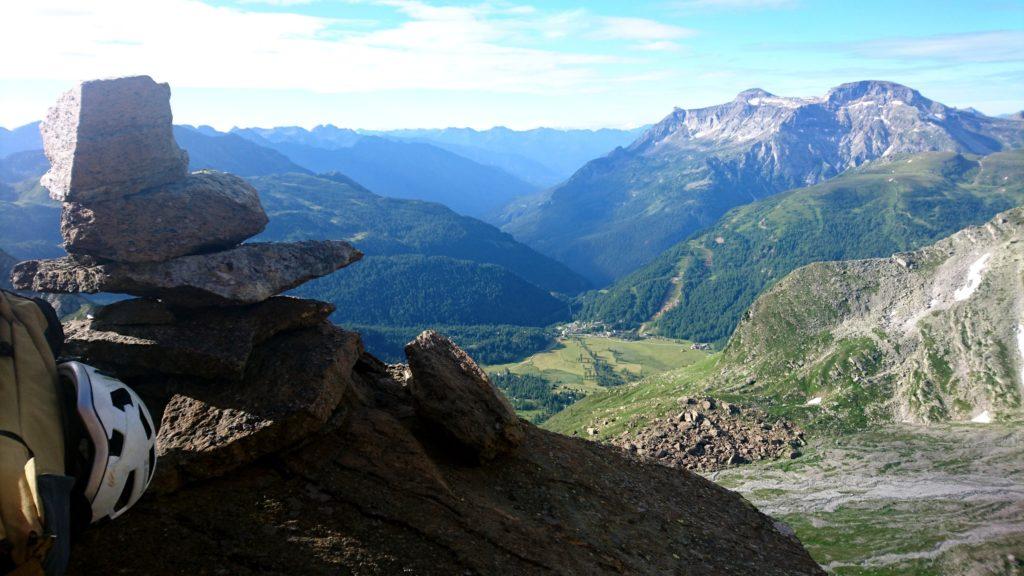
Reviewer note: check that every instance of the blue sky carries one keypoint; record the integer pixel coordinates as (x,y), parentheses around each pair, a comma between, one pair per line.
(381,64)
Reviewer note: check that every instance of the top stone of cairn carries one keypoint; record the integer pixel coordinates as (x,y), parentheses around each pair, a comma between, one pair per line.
(107,139)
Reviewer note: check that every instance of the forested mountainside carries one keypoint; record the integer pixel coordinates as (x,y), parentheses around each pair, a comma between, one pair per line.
(420,290)
(699,288)
(930,335)
(620,211)
(20,166)
(334,206)
(29,220)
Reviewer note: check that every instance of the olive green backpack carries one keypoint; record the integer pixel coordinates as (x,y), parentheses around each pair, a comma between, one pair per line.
(35,492)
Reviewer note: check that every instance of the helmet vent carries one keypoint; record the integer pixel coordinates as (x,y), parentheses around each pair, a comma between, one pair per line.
(121,398)
(126,493)
(145,424)
(116,443)
(152,463)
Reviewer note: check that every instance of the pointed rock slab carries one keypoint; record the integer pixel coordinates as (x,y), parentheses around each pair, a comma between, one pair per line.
(291,388)
(111,138)
(247,274)
(143,337)
(451,392)
(206,211)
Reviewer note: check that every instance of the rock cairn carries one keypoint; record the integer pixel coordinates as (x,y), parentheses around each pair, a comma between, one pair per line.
(135,221)
(706,435)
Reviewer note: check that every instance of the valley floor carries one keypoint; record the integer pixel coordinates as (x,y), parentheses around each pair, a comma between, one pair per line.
(570,364)
(942,499)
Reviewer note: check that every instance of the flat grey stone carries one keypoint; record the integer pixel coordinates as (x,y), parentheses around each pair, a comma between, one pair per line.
(247,274)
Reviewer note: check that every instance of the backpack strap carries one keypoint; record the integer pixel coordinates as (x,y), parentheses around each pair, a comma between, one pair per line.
(19,440)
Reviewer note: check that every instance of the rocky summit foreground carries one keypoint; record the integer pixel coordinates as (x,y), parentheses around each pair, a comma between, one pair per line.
(285,448)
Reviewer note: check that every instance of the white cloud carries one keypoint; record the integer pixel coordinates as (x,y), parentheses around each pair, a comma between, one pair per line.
(643,29)
(734,4)
(192,44)
(659,46)
(989,46)
(278,2)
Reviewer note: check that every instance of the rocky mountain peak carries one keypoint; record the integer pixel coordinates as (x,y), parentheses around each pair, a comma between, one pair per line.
(753,93)
(693,165)
(881,91)
(853,123)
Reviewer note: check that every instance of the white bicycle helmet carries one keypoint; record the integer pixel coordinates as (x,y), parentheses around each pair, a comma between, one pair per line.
(123,440)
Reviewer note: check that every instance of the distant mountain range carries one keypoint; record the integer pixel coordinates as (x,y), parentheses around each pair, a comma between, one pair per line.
(619,212)
(410,170)
(231,153)
(20,139)
(476,173)
(542,156)
(699,288)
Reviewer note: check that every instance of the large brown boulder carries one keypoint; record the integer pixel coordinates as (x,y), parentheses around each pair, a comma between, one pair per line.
(450,391)
(244,275)
(111,138)
(142,337)
(206,211)
(292,386)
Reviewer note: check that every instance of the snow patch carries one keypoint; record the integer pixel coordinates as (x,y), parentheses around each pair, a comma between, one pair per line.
(780,102)
(973,278)
(983,418)
(814,401)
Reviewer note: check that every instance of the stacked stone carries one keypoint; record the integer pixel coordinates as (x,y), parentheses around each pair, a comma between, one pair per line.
(135,221)
(237,371)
